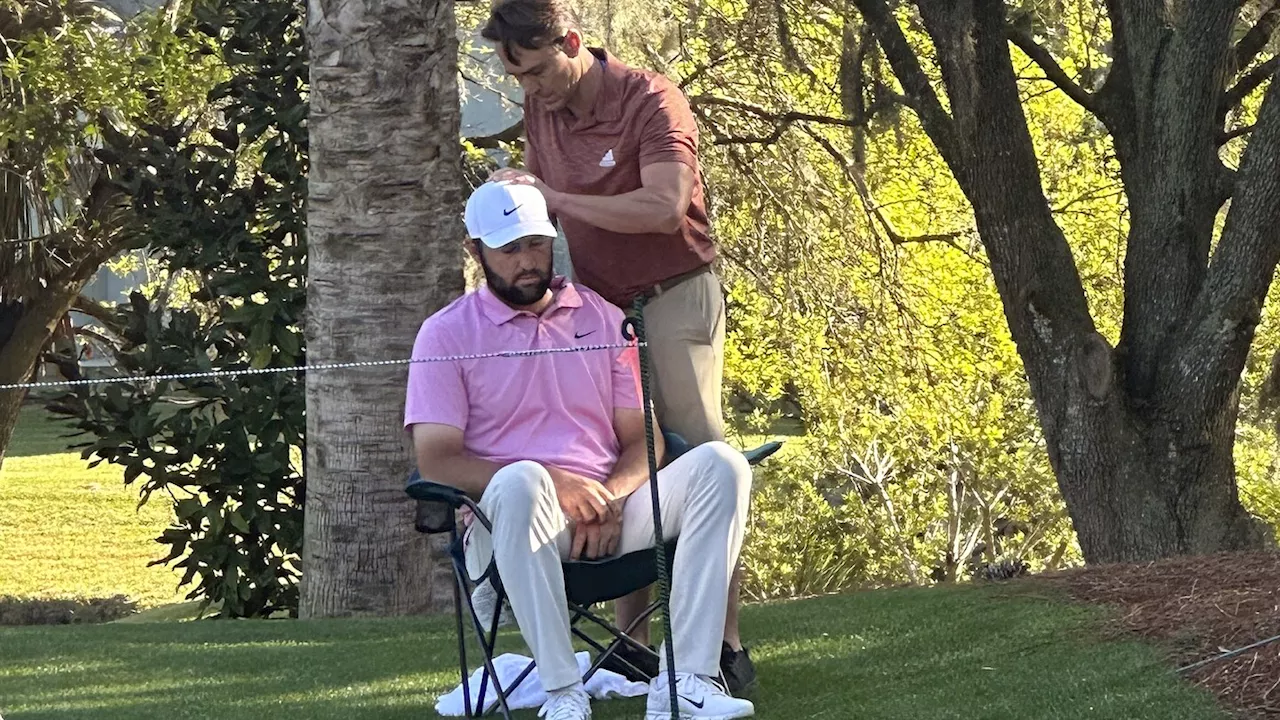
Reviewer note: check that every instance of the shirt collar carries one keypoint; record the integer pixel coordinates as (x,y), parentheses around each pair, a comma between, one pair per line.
(609,102)
(500,313)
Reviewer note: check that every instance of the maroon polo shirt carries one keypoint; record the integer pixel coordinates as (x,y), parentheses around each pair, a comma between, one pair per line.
(639,118)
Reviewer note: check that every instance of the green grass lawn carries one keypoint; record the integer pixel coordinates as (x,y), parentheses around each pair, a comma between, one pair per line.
(68,530)
(915,654)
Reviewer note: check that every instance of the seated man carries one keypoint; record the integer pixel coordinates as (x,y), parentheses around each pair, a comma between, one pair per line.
(553,446)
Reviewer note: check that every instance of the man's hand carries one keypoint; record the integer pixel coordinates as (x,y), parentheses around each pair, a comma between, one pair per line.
(593,541)
(512,175)
(585,501)
(516,175)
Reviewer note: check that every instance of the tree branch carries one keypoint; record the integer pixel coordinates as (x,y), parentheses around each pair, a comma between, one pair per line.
(1224,182)
(875,213)
(96,310)
(790,53)
(906,66)
(1115,97)
(510,134)
(782,121)
(766,114)
(1247,84)
(1253,42)
(108,343)
(1241,131)
(1052,70)
(1228,307)
(771,138)
(703,69)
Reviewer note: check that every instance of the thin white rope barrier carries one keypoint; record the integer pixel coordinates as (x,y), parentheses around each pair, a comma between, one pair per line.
(311,368)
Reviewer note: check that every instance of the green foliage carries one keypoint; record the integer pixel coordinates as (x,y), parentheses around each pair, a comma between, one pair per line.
(1257,450)
(69,68)
(860,304)
(798,544)
(222,208)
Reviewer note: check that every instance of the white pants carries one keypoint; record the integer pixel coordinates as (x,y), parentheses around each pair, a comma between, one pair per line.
(704,496)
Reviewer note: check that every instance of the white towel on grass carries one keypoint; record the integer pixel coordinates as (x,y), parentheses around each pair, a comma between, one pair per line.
(602,686)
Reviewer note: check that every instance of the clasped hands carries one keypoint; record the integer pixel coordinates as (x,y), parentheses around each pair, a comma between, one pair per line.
(595,513)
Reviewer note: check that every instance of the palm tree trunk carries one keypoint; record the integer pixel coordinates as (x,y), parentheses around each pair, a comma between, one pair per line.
(384,239)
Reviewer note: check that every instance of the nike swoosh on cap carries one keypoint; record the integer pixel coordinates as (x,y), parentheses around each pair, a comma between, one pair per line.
(508,212)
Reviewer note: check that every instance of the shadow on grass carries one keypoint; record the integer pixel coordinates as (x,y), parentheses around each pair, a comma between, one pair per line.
(208,669)
(918,654)
(38,433)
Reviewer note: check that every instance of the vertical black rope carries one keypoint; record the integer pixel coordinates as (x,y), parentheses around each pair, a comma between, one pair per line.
(633,329)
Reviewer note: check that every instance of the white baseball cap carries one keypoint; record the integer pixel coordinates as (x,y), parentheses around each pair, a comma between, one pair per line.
(499,213)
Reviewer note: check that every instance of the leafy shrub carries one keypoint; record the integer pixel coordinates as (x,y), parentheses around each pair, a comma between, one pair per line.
(64,611)
(223,211)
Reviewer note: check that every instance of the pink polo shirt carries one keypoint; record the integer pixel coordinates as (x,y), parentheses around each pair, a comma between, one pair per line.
(554,409)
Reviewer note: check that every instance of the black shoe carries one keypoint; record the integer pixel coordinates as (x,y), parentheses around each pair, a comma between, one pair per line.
(646,663)
(737,669)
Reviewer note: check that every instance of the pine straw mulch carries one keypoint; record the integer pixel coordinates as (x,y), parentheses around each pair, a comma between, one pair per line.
(1199,607)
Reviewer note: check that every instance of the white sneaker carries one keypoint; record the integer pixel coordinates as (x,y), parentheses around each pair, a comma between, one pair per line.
(485,600)
(572,704)
(700,698)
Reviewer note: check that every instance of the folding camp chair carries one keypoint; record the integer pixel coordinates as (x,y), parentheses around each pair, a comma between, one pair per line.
(587,583)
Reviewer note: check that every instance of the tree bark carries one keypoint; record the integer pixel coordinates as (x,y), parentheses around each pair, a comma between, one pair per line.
(39,317)
(386,194)
(1140,438)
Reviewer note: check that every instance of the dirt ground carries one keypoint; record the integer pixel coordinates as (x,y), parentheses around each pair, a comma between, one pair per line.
(1198,608)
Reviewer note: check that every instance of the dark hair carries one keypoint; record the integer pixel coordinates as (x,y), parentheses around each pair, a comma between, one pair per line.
(529,24)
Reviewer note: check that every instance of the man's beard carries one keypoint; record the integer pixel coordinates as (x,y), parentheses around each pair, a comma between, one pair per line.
(518,295)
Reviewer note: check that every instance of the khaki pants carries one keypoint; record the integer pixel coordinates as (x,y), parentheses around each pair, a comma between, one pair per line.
(685,330)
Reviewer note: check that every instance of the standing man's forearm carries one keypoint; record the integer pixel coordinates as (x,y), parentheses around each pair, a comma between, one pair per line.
(640,211)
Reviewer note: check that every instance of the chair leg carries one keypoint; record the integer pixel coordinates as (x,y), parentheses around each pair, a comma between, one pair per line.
(489,644)
(493,641)
(462,647)
(620,638)
(487,647)
(602,655)
(521,677)
(582,613)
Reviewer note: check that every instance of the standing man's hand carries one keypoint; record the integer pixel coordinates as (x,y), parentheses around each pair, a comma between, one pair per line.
(516,175)
(584,501)
(512,175)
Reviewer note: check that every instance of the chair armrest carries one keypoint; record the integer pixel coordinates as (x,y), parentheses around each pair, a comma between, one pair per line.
(676,445)
(757,455)
(419,489)
(437,504)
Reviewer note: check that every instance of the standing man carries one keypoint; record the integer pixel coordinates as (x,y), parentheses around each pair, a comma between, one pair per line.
(614,150)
